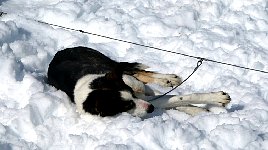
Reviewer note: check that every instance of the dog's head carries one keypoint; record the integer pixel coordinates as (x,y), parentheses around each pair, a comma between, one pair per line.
(111,96)
(112,102)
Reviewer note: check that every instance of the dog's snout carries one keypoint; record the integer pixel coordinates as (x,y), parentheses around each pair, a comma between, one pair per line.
(150,108)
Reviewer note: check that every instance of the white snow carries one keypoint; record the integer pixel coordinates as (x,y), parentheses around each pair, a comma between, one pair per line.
(34,115)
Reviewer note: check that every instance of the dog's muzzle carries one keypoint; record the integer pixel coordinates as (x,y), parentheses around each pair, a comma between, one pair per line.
(142,108)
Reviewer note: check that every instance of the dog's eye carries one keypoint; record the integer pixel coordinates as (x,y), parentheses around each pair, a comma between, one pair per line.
(130,105)
(134,96)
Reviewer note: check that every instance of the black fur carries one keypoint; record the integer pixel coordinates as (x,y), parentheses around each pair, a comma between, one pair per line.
(69,65)
(106,103)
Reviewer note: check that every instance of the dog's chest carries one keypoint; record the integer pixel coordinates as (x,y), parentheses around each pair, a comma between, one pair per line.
(82,87)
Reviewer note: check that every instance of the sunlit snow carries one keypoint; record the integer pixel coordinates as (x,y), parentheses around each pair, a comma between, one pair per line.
(34,115)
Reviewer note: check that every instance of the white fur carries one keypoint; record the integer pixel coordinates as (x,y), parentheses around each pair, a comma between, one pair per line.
(215,98)
(141,108)
(171,101)
(126,95)
(82,90)
(191,110)
(135,84)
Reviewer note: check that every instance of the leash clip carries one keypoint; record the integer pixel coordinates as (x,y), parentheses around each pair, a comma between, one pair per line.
(2,13)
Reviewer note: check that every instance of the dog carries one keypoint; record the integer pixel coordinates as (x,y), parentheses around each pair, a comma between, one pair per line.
(101,86)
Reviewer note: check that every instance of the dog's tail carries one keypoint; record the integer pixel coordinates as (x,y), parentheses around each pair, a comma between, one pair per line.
(132,68)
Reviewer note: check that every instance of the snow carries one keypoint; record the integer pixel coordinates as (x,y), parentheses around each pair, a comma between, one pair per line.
(34,115)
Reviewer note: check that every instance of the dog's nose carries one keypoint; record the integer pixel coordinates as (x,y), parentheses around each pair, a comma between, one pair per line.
(150,109)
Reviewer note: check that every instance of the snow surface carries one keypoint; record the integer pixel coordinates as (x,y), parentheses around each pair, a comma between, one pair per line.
(34,115)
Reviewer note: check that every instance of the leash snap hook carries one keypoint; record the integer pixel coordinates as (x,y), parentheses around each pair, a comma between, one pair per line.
(200,61)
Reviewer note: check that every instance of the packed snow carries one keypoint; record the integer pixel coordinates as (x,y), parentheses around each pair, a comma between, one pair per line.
(34,115)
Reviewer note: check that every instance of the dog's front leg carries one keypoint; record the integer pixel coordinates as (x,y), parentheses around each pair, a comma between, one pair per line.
(183,103)
(171,101)
(191,110)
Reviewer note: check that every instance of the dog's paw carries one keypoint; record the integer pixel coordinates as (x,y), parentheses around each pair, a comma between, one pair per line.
(221,98)
(167,80)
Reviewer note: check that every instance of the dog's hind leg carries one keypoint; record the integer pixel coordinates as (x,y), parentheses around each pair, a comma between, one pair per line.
(191,110)
(168,80)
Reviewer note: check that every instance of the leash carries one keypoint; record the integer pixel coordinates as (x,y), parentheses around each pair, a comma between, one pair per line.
(142,45)
(151,47)
(199,63)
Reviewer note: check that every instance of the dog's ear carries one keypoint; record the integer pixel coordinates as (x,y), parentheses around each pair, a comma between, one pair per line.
(114,75)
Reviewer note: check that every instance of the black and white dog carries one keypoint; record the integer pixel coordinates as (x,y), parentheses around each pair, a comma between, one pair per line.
(101,86)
